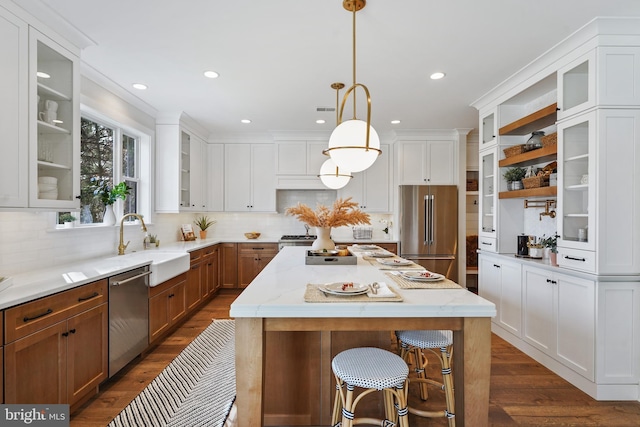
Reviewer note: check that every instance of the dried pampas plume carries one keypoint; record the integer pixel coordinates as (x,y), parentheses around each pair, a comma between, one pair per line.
(344,212)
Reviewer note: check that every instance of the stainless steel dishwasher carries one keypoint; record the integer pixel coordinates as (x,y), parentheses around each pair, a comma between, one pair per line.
(128,317)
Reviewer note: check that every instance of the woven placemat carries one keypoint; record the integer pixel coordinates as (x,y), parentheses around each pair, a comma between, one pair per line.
(411,284)
(313,294)
(374,262)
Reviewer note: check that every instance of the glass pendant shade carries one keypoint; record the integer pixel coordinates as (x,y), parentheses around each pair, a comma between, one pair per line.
(348,146)
(332,176)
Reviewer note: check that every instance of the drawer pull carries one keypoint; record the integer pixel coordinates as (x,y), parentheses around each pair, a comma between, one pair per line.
(496,265)
(37,316)
(95,294)
(487,243)
(257,249)
(72,331)
(574,259)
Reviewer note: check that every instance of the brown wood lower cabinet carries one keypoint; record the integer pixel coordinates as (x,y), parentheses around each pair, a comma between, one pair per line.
(196,278)
(299,378)
(212,266)
(252,258)
(229,265)
(166,306)
(56,348)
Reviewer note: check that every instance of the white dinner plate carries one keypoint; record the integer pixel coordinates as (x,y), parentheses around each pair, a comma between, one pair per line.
(395,262)
(381,254)
(341,288)
(422,276)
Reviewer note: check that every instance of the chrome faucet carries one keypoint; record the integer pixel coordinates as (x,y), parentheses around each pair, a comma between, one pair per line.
(122,246)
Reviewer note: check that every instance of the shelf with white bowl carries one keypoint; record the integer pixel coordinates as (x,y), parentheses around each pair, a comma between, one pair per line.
(54,142)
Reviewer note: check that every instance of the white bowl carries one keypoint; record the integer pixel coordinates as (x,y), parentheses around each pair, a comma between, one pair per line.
(47,180)
(47,187)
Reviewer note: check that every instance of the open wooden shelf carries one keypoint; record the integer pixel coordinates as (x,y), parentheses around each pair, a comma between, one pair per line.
(531,192)
(533,122)
(533,157)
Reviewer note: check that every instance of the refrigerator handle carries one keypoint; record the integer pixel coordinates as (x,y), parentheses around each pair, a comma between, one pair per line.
(426,219)
(431,219)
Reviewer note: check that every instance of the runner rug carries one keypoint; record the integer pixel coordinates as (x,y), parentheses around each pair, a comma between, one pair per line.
(197,388)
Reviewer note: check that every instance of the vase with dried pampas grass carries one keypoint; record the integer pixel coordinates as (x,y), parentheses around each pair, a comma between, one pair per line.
(344,212)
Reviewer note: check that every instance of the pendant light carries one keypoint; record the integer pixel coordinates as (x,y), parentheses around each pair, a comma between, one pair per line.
(330,174)
(354,144)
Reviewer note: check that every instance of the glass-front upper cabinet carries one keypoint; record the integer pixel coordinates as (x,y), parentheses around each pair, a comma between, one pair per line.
(54,125)
(488,193)
(488,129)
(576,86)
(577,182)
(185,170)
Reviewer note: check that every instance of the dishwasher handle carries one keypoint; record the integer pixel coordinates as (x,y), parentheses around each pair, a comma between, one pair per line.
(122,282)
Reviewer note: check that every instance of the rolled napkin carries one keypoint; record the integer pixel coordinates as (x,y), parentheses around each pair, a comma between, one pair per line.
(382,291)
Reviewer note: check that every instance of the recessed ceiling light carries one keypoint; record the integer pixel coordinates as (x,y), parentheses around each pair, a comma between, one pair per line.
(246,121)
(43,75)
(139,86)
(320,122)
(211,74)
(395,122)
(437,76)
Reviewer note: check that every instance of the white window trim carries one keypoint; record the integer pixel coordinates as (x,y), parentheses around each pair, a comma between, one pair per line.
(144,163)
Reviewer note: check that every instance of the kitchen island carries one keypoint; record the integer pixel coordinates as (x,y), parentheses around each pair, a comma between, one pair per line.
(276,328)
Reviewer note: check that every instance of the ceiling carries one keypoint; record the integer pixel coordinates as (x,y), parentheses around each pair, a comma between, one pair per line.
(277,59)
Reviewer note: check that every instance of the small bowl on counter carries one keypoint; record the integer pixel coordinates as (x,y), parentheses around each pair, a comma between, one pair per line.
(252,235)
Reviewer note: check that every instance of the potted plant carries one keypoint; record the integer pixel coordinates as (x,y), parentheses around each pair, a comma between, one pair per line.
(551,243)
(108,196)
(67,219)
(203,223)
(514,176)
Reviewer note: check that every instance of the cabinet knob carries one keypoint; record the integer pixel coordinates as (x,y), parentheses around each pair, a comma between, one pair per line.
(78,197)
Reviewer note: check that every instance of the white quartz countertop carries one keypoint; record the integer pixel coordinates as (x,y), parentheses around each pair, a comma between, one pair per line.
(278,291)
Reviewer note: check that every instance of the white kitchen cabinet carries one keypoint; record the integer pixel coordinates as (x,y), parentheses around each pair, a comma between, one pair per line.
(298,164)
(249,178)
(605,76)
(559,318)
(14,111)
(427,162)
(500,282)
(599,164)
(371,189)
(214,173)
(54,148)
(183,175)
(488,186)
(488,128)
(576,86)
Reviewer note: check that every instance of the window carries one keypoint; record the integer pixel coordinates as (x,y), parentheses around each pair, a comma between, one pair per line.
(108,155)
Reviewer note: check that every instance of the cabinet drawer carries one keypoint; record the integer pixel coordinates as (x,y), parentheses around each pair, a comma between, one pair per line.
(488,244)
(33,316)
(260,247)
(155,290)
(196,255)
(577,259)
(208,250)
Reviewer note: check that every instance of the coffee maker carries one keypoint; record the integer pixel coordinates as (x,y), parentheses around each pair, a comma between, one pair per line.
(523,248)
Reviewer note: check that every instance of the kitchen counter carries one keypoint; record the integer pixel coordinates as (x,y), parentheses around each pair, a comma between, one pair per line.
(274,304)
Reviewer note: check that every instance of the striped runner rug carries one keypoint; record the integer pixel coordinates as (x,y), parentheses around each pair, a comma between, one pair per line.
(196,389)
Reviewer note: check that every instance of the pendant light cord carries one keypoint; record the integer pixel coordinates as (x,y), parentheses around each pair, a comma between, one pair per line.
(354,59)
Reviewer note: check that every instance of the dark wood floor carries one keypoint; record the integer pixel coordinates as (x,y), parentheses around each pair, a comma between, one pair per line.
(523,393)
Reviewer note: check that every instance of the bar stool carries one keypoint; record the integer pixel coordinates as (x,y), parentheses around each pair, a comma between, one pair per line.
(415,342)
(372,369)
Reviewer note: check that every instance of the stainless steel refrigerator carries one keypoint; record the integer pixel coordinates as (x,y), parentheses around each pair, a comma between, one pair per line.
(429,227)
